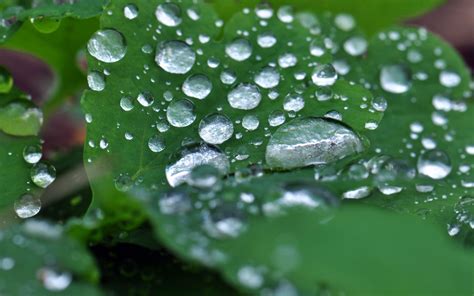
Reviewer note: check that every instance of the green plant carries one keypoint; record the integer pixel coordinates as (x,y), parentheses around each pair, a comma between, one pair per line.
(244,147)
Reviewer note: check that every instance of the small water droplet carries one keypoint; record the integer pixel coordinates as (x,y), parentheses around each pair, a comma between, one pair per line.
(344,22)
(181,113)
(43,174)
(126,103)
(239,50)
(449,78)
(54,280)
(285,14)
(145,99)
(395,79)
(245,96)
(250,122)
(379,104)
(293,102)
(130,11)
(169,14)
(356,46)
(358,193)
(32,154)
(96,81)
(228,77)
(27,206)
(197,86)
(434,164)
(107,46)
(216,129)
(266,40)
(156,144)
(175,57)
(324,75)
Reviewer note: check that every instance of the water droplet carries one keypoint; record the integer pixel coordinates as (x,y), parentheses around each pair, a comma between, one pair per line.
(43,174)
(175,57)
(287,60)
(310,141)
(324,94)
(123,183)
(145,99)
(156,144)
(32,154)
(181,113)
(169,14)
(276,118)
(53,280)
(414,56)
(45,25)
(205,177)
(324,75)
(216,129)
(107,46)
(293,102)
(434,164)
(190,157)
(379,104)
(175,202)
(359,193)
(250,277)
(130,11)
(317,47)
(264,11)
(266,40)
(344,22)
(197,86)
(6,81)
(96,81)
(449,78)
(356,46)
(285,14)
(245,96)
(395,79)
(27,206)
(228,77)
(126,104)
(250,122)
(240,49)
(268,77)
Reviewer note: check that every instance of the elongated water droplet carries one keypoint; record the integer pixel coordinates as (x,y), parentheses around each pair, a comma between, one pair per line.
(169,14)
(175,57)
(395,79)
(216,129)
(179,170)
(107,46)
(357,193)
(181,113)
(197,86)
(310,141)
(245,97)
(27,206)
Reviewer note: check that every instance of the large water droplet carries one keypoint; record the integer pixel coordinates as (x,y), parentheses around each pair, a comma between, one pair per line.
(175,57)
(179,170)
(169,14)
(395,79)
(43,174)
(324,75)
(310,141)
(27,206)
(107,46)
(268,77)
(245,96)
(216,129)
(181,113)
(240,49)
(197,86)
(434,164)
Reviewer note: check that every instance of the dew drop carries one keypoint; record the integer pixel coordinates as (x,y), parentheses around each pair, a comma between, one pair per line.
(293,102)
(169,14)
(107,46)
(276,118)
(130,11)
(216,129)
(27,206)
(345,22)
(285,14)
(239,50)
(43,174)
(250,122)
(145,99)
(181,113)
(266,40)
(197,86)
(310,141)
(156,144)
(379,104)
(287,60)
(324,75)
(449,78)
(179,170)
(357,193)
(395,79)
(356,46)
(175,57)
(434,164)
(268,77)
(53,280)
(32,154)
(96,81)
(228,77)
(244,97)
(126,104)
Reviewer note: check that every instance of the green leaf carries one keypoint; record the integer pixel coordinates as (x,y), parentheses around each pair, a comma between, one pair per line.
(270,234)
(119,141)
(371,15)
(36,258)
(444,113)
